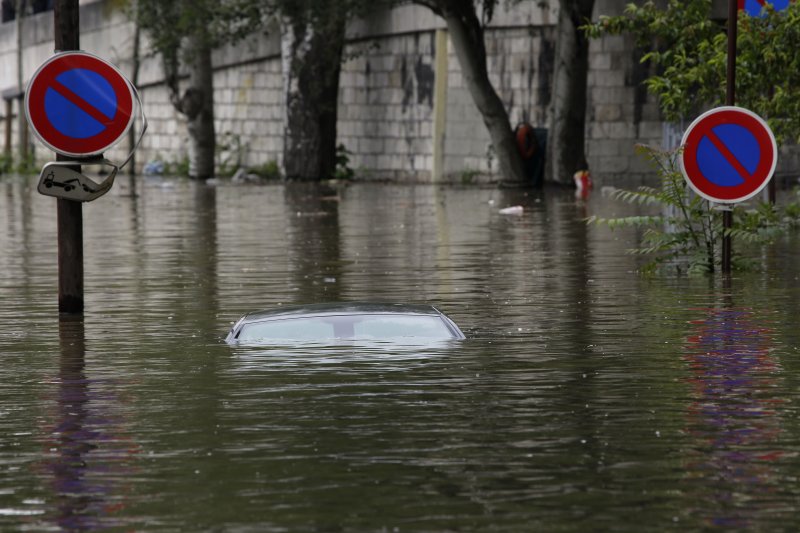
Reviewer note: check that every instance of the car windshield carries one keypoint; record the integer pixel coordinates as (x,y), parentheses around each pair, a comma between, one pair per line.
(357,327)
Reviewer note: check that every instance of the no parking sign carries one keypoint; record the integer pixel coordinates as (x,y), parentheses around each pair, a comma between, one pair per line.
(78,104)
(729,154)
(754,8)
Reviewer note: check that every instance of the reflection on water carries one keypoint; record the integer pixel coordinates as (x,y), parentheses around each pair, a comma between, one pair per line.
(386,356)
(86,462)
(734,416)
(565,410)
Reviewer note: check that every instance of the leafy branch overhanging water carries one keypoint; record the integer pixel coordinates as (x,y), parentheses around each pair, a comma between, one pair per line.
(685,232)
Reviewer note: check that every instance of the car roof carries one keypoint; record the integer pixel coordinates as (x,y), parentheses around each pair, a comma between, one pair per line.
(343,308)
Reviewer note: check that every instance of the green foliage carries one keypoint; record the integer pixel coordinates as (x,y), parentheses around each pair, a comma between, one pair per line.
(230,153)
(469,176)
(219,21)
(484,8)
(343,170)
(179,28)
(686,232)
(269,170)
(315,11)
(690,53)
(27,165)
(6,162)
(179,167)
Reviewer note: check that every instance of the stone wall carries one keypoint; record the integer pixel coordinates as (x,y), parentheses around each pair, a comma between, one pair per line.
(386,106)
(620,112)
(404,111)
(520,64)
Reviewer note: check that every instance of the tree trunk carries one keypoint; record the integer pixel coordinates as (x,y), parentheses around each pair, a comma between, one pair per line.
(566,146)
(202,137)
(197,103)
(135,66)
(22,121)
(311,53)
(466,33)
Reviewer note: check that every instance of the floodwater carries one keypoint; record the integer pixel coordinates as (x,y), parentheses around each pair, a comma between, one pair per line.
(587,397)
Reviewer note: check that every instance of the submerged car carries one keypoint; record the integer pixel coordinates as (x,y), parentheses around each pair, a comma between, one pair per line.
(344,321)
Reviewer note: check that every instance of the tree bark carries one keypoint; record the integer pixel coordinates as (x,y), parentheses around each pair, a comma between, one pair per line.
(566,146)
(311,53)
(197,103)
(22,121)
(135,66)
(467,35)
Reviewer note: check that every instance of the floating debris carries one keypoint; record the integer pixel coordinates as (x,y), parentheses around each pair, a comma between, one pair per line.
(513,210)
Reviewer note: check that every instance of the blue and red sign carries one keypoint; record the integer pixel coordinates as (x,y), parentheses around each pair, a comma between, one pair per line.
(754,7)
(78,104)
(729,154)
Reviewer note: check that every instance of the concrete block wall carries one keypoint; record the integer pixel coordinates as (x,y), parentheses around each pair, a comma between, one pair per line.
(166,138)
(620,113)
(520,62)
(388,114)
(387,92)
(386,107)
(249,111)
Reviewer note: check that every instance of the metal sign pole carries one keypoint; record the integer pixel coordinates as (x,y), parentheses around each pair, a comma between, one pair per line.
(730,99)
(70,213)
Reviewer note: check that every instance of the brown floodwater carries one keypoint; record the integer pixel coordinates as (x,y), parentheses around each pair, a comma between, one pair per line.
(587,397)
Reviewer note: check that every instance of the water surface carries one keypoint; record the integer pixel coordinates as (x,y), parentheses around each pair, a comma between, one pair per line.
(587,397)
